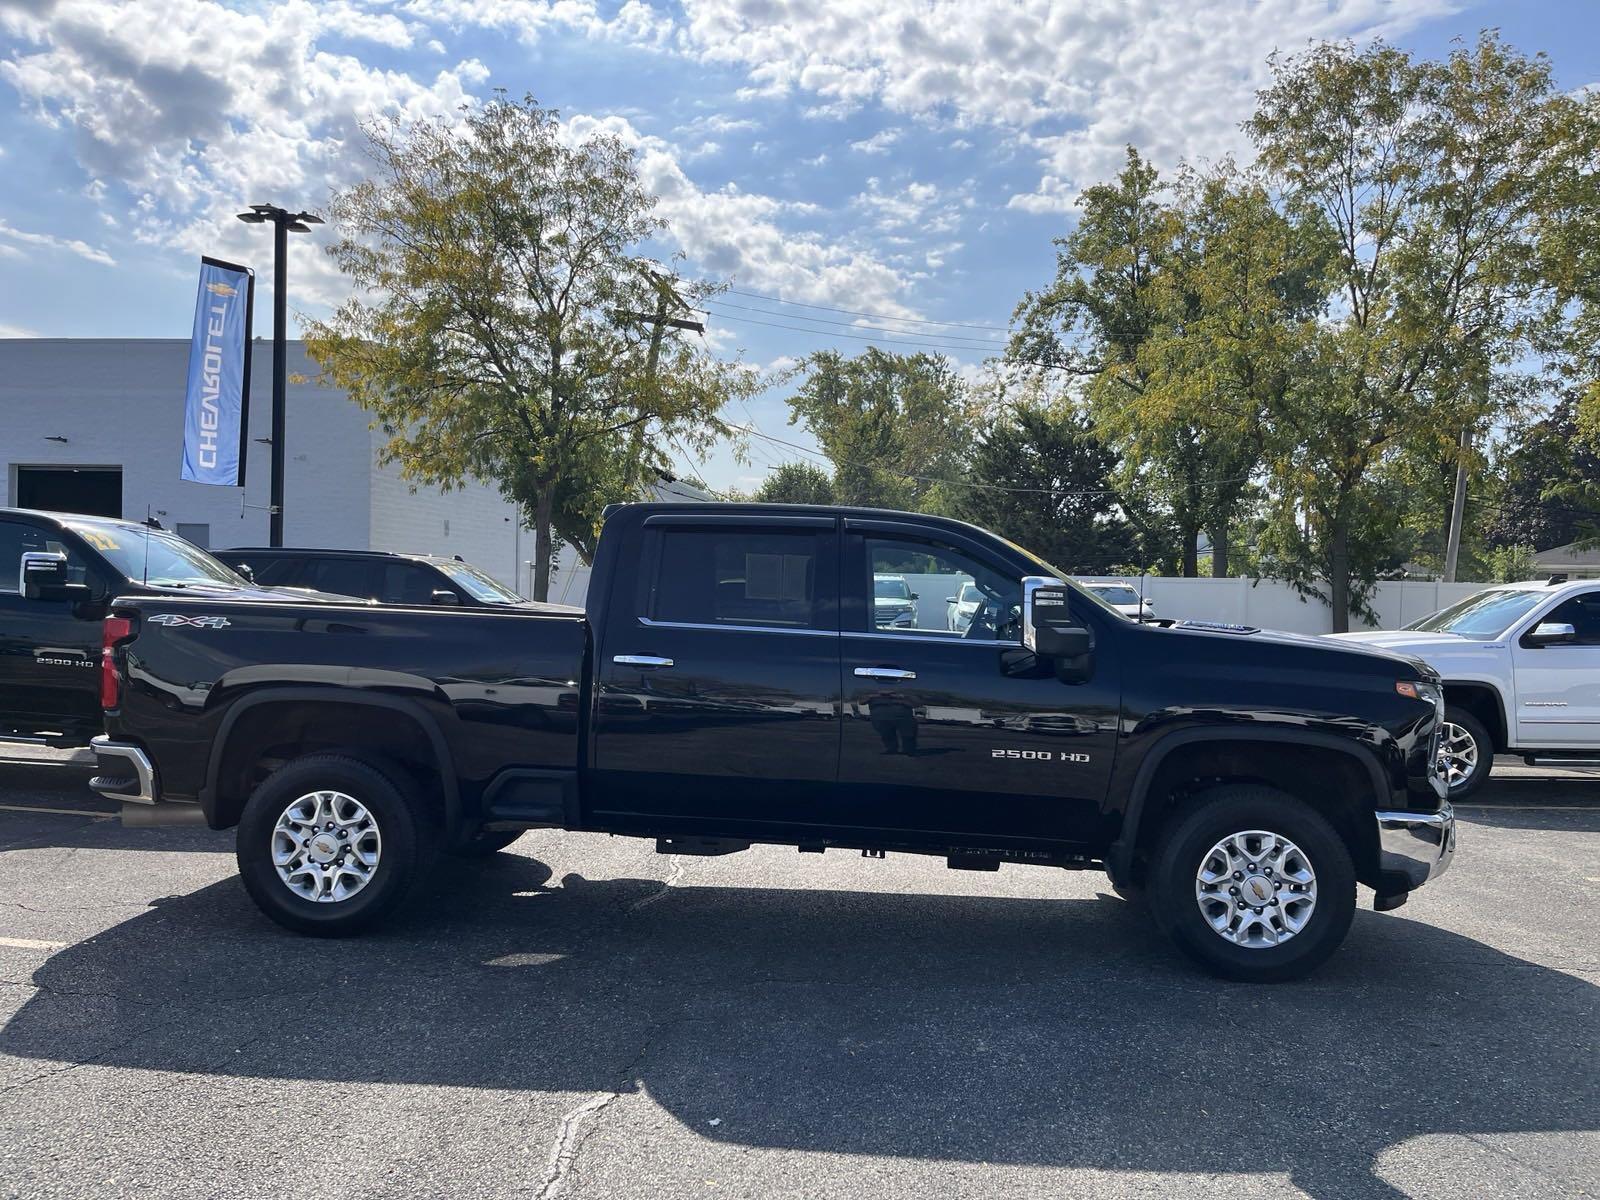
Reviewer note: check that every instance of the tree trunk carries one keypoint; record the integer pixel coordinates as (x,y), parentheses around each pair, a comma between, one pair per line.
(1191,553)
(1219,551)
(541,541)
(1339,574)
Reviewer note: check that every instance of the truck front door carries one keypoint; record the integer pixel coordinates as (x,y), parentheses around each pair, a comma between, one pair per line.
(1558,684)
(717,699)
(962,732)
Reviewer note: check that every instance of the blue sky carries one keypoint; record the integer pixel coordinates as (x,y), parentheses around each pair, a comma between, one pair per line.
(905,159)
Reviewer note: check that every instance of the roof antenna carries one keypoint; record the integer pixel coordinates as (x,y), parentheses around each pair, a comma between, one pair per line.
(145,581)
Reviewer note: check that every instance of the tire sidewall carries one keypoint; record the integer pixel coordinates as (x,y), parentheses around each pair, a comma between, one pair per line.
(393,810)
(1226,811)
(1479,735)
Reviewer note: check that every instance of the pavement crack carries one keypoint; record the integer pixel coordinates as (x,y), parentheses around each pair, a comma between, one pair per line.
(667,884)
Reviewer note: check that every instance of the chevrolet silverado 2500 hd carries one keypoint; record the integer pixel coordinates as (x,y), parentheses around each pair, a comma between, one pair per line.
(730,683)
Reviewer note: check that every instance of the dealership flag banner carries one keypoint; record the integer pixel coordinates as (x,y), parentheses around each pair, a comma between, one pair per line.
(216,408)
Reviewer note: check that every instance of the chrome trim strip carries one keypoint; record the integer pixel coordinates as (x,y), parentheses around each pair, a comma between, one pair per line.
(884,673)
(648,623)
(143,769)
(640,660)
(1419,846)
(955,639)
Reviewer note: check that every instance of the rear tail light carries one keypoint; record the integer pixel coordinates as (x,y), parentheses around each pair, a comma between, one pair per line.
(115,631)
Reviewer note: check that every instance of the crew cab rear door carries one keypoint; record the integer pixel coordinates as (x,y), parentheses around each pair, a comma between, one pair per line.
(963,732)
(717,675)
(49,649)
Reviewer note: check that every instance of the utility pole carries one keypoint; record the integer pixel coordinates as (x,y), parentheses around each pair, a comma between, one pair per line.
(1458,508)
(666,296)
(283,224)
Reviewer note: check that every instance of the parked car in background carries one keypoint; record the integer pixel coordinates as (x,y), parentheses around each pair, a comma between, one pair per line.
(381,575)
(960,608)
(894,604)
(1122,597)
(1521,671)
(58,573)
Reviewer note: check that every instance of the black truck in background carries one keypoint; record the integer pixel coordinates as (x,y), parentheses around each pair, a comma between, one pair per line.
(730,685)
(59,573)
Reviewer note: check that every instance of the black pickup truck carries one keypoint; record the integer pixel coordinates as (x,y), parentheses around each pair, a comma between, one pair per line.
(729,684)
(59,573)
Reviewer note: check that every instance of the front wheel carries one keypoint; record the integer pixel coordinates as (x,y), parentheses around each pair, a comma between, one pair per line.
(1466,752)
(1253,884)
(328,845)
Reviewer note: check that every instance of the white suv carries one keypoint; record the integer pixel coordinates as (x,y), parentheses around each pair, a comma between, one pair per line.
(1521,671)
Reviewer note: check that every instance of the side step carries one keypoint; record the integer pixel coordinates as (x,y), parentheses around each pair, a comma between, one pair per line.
(1557,760)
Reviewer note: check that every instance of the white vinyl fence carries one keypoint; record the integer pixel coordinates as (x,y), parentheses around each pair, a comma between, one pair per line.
(1269,604)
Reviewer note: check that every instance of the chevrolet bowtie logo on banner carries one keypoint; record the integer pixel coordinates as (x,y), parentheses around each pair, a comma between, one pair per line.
(217,405)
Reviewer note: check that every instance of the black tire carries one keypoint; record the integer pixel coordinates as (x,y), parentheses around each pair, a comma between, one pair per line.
(1206,821)
(486,842)
(1483,748)
(393,810)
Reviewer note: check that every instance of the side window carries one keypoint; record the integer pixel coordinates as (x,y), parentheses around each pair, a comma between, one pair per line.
(408,583)
(932,589)
(341,577)
(737,577)
(1582,612)
(277,572)
(17,539)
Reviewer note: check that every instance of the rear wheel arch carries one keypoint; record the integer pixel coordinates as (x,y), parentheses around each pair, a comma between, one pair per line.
(1345,785)
(266,728)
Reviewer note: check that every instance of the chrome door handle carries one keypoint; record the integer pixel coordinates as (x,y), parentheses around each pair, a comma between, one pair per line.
(641,660)
(884,673)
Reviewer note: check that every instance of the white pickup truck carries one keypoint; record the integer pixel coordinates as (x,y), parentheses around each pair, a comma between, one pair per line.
(1521,671)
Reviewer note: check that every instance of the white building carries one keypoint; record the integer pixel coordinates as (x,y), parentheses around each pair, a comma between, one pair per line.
(96,425)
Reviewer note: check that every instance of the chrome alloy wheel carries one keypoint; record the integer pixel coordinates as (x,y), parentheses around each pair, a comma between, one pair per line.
(1458,754)
(325,847)
(1256,889)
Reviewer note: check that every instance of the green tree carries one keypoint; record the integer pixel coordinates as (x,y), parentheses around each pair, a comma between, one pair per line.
(796,483)
(1546,476)
(1040,477)
(1429,180)
(504,325)
(895,426)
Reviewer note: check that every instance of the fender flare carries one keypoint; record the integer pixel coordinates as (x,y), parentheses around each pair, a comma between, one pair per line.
(1119,858)
(1485,685)
(325,695)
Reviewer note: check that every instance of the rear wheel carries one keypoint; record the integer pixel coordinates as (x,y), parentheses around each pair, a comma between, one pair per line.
(1466,752)
(1253,884)
(328,845)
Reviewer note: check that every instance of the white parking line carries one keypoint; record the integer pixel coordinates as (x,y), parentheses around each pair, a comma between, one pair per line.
(31,944)
(60,812)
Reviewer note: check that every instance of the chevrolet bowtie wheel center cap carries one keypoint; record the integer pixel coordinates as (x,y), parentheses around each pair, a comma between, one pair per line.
(1256,889)
(326,846)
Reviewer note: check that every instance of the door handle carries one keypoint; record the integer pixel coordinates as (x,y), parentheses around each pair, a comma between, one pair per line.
(884,673)
(641,660)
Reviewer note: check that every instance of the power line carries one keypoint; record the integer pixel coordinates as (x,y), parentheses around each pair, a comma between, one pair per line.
(872,316)
(851,324)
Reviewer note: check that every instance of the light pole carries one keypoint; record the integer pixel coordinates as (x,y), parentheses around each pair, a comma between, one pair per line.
(284,223)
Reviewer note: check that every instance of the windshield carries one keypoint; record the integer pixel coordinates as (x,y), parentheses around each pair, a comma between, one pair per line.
(475,583)
(969,594)
(890,589)
(156,557)
(1482,616)
(1117,594)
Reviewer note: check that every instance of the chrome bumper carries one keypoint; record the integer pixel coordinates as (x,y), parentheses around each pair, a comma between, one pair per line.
(116,760)
(1418,846)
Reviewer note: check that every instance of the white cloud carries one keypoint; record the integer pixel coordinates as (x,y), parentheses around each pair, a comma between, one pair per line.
(16,331)
(50,242)
(878,143)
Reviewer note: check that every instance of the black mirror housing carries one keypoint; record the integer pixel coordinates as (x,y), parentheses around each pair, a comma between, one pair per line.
(1061,641)
(445,596)
(45,576)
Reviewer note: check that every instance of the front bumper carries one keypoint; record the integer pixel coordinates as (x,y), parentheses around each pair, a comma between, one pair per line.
(1416,847)
(124,772)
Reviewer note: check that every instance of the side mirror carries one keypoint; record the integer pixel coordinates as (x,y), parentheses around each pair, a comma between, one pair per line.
(45,577)
(1546,633)
(949,599)
(245,570)
(1047,625)
(445,596)
(913,595)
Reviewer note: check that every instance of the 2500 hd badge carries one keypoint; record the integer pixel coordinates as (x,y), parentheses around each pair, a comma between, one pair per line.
(1040,755)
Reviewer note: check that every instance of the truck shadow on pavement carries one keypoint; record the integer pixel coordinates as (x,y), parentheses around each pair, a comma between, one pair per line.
(944,1027)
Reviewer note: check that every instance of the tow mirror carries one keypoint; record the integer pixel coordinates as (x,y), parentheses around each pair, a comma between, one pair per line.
(45,577)
(246,572)
(445,596)
(1048,628)
(1548,633)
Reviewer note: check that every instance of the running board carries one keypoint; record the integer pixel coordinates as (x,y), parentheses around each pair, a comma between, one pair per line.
(1536,760)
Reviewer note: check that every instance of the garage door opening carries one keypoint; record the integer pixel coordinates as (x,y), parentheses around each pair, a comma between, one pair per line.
(93,491)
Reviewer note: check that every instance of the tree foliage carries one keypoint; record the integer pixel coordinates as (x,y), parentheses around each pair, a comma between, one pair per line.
(797,483)
(502,326)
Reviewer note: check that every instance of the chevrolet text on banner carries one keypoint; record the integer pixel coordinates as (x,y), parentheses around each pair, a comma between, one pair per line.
(216,410)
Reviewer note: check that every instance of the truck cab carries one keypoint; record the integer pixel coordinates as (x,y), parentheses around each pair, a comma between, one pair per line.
(1521,671)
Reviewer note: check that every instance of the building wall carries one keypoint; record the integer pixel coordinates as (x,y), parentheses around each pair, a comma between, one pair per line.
(1273,604)
(119,403)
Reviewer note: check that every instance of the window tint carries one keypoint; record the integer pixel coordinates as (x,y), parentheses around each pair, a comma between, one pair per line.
(734,577)
(1582,612)
(930,574)
(408,583)
(342,577)
(277,572)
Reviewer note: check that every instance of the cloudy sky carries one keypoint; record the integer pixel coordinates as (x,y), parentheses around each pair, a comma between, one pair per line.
(856,169)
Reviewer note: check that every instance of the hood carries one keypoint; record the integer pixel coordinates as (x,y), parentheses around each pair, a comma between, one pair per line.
(891,602)
(252,592)
(1409,665)
(1404,639)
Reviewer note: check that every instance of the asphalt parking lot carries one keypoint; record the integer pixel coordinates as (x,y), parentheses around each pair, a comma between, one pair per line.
(583,1018)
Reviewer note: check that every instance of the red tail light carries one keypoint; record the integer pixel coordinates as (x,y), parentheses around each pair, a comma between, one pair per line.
(116,631)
